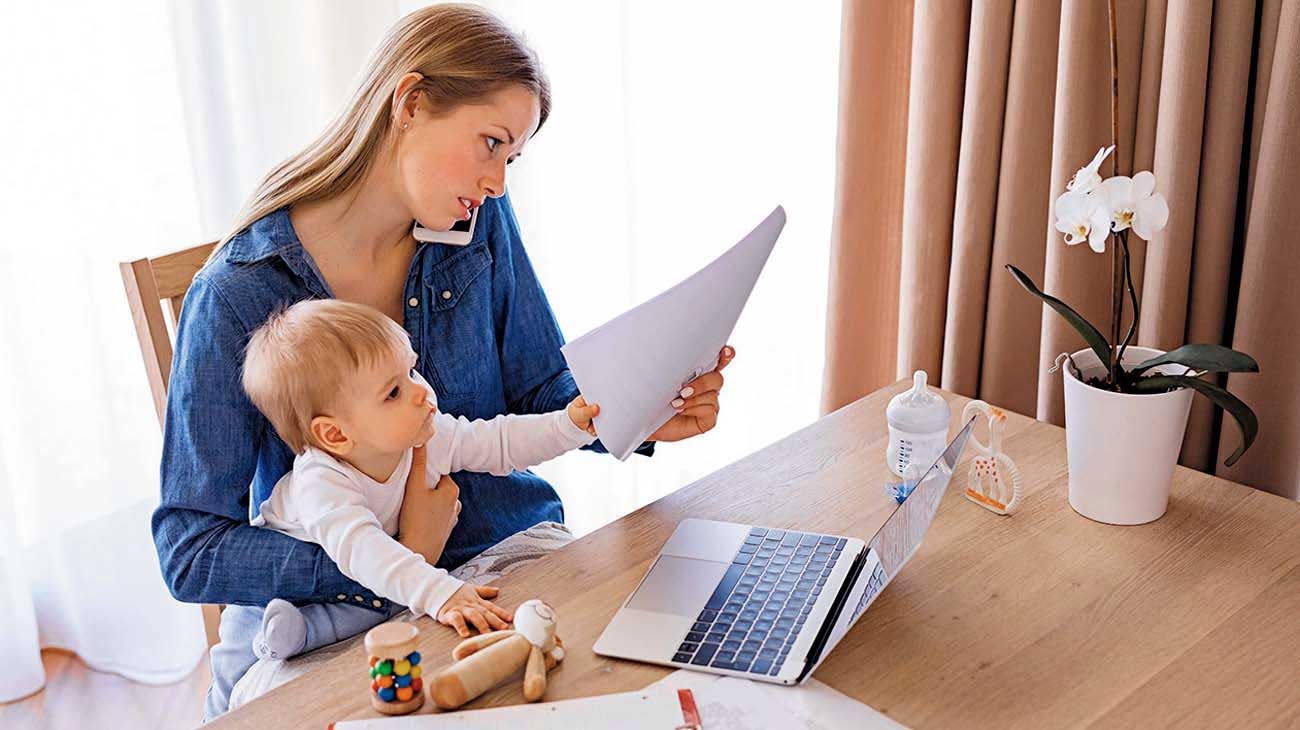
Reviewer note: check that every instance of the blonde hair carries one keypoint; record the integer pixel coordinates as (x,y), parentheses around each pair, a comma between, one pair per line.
(465,55)
(297,364)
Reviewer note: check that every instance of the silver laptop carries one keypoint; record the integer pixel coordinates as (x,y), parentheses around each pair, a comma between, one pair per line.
(763,603)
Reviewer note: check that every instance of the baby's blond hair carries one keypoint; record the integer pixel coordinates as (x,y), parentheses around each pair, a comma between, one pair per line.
(299,361)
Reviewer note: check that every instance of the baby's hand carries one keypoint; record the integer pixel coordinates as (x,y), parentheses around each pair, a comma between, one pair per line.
(582,414)
(469,606)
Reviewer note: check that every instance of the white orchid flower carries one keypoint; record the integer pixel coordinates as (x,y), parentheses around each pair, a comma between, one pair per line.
(1134,202)
(1083,217)
(1087,178)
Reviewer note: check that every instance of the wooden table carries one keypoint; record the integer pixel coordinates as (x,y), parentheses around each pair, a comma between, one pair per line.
(1042,619)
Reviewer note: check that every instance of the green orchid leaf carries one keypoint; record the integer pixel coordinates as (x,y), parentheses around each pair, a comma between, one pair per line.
(1207,358)
(1246,419)
(1090,334)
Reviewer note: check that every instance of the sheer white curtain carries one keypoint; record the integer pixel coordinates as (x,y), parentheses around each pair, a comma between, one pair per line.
(675,127)
(96,171)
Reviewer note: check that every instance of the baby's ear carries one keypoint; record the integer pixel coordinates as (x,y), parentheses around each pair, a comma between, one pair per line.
(329,435)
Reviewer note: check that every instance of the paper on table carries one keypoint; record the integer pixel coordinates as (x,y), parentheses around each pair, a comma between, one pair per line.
(634,365)
(728,703)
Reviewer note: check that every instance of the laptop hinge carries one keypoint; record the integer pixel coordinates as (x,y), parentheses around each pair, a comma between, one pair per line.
(841,598)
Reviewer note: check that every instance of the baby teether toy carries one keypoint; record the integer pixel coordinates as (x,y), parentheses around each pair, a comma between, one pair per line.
(994,477)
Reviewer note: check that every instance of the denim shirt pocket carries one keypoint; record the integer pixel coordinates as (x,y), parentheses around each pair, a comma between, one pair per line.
(459,332)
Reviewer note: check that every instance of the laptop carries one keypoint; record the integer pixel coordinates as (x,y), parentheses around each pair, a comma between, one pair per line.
(764,603)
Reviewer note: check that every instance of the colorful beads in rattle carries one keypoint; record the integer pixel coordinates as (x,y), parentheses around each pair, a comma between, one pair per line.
(396,680)
(396,686)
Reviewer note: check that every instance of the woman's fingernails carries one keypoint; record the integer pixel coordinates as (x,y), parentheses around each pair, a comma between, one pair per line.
(688,391)
(731,352)
(678,403)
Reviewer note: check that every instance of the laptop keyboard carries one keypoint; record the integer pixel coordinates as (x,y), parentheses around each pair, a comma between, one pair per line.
(761,603)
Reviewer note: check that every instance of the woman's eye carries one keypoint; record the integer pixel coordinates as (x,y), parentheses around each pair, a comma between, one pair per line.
(394,392)
(492,143)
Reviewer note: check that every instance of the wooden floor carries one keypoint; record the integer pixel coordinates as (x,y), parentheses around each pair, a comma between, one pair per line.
(78,698)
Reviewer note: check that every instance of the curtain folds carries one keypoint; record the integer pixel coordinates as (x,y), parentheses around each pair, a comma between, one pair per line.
(1003,101)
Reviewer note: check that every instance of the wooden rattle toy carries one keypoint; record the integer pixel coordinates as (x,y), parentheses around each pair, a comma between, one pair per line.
(994,478)
(486,660)
(395,684)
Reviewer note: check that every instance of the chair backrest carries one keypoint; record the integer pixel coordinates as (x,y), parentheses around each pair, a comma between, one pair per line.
(150,283)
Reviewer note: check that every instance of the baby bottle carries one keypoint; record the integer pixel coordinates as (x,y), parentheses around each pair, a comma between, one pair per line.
(918,428)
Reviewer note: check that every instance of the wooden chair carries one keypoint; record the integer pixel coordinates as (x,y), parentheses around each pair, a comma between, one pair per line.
(149,283)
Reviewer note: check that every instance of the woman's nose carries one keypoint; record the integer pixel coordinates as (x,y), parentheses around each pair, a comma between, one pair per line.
(494,184)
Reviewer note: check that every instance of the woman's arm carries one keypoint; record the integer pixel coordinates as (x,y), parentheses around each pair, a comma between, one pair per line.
(533,371)
(427,515)
(208,551)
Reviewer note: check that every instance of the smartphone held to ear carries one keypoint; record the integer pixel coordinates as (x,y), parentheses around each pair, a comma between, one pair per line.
(461,233)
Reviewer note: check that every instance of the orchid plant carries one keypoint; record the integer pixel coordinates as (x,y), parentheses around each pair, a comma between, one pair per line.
(1095,210)
(1098,210)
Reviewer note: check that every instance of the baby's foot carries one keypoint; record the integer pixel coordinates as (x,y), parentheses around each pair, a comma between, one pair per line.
(283,633)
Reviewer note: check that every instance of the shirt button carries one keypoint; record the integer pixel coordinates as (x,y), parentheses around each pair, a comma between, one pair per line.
(377,603)
(342,596)
(446,294)
(413,302)
(360,599)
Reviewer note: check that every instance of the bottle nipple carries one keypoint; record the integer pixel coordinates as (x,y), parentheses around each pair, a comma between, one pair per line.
(918,384)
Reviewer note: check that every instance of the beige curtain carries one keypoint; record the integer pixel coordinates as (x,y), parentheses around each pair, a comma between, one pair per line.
(959,124)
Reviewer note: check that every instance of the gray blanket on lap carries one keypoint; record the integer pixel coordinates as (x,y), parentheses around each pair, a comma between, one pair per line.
(500,559)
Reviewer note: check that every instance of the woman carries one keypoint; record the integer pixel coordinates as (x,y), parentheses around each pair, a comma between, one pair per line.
(449,99)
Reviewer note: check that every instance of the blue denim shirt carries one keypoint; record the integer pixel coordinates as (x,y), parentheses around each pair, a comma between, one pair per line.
(487,342)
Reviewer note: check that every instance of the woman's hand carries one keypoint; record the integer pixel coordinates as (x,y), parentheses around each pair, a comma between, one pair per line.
(469,606)
(697,404)
(428,515)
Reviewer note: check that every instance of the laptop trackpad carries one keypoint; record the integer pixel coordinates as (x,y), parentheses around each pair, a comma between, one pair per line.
(679,586)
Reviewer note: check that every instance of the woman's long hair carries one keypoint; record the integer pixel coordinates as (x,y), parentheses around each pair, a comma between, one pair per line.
(464,53)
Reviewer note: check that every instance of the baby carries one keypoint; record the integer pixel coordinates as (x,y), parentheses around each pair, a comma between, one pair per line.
(338,382)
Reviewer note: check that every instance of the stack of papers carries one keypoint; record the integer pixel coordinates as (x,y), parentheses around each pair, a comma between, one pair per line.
(634,365)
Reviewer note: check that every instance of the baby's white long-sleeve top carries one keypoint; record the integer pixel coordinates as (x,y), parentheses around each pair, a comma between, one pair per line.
(329,502)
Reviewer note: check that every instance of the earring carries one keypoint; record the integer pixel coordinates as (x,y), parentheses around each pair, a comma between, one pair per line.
(406,125)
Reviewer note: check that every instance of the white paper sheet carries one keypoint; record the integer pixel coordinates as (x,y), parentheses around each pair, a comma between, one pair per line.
(634,365)
(732,703)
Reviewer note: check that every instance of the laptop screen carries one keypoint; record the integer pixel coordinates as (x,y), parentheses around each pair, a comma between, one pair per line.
(896,540)
(902,533)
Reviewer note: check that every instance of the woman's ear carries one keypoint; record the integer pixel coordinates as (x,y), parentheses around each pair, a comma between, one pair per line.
(329,435)
(405,102)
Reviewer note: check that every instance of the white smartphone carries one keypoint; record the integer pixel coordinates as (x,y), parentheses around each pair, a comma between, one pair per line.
(460,234)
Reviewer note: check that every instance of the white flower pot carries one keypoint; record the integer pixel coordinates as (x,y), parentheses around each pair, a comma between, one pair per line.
(1121,448)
